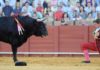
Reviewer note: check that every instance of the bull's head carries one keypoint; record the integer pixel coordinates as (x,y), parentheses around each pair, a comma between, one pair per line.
(41,29)
(34,27)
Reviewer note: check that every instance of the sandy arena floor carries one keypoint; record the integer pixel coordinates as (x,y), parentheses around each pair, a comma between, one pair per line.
(50,63)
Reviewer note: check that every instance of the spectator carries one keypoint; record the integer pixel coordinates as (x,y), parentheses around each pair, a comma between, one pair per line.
(89,1)
(89,19)
(81,2)
(31,1)
(12,3)
(82,14)
(97,2)
(1,11)
(94,13)
(36,2)
(76,15)
(65,19)
(39,8)
(17,10)
(39,15)
(2,3)
(98,8)
(65,2)
(7,10)
(33,8)
(73,2)
(58,15)
(88,8)
(64,7)
(41,1)
(53,2)
(54,8)
(35,15)
(70,12)
(77,6)
(27,10)
(50,7)
(39,11)
(22,2)
(45,6)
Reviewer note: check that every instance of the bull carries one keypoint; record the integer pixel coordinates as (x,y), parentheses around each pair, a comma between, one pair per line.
(9,33)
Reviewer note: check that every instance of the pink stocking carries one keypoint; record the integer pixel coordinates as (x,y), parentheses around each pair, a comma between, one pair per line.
(86,55)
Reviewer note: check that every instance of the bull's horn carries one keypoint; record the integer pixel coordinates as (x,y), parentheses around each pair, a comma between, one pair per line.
(43,19)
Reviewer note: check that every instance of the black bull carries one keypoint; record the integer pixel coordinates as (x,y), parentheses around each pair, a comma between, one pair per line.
(9,32)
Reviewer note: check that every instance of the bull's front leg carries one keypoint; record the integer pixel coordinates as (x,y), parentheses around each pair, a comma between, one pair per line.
(17,63)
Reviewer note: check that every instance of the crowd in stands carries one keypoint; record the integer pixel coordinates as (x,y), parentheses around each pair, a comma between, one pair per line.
(65,12)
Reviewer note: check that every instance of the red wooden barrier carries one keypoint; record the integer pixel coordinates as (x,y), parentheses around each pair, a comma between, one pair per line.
(70,38)
(90,32)
(46,44)
(59,39)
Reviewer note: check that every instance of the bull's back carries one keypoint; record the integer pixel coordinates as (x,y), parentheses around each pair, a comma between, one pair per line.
(7,27)
(7,24)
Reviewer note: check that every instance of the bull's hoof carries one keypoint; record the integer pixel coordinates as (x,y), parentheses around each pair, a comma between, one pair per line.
(17,63)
